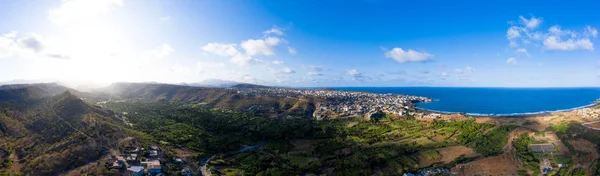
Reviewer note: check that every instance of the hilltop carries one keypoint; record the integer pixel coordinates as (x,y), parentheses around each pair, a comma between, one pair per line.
(59,132)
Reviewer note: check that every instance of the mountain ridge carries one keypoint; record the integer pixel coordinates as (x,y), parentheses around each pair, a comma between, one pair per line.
(61,128)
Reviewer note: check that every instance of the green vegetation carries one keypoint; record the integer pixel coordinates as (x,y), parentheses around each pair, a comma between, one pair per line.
(302,146)
(430,154)
(521,145)
(491,143)
(6,163)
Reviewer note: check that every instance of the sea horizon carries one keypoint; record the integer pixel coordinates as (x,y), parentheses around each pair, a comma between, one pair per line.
(486,101)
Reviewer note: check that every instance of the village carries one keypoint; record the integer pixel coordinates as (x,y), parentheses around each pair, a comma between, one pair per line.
(152,161)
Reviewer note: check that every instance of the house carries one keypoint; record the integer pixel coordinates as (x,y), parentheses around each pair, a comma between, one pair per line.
(178,160)
(154,167)
(542,148)
(131,157)
(186,172)
(118,163)
(153,153)
(135,170)
(131,150)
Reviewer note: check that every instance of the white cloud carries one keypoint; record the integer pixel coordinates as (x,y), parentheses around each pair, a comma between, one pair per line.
(277,62)
(249,79)
(353,72)
(221,49)
(590,31)
(287,70)
(274,30)
(81,11)
(207,66)
(251,47)
(165,18)
(316,68)
(555,43)
(292,50)
(557,31)
(58,56)
(522,52)
(511,61)
(29,46)
(8,46)
(444,74)
(531,23)
(458,70)
(31,41)
(555,38)
(261,46)
(315,74)
(242,59)
(468,69)
(164,50)
(357,76)
(400,55)
(11,34)
(513,32)
(229,50)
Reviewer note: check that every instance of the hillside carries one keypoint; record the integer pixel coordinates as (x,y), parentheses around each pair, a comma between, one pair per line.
(30,93)
(24,92)
(56,134)
(266,105)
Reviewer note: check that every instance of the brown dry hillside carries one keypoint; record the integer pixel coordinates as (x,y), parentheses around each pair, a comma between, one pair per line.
(267,105)
(56,134)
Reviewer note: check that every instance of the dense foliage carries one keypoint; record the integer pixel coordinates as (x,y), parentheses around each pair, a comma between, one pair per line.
(521,145)
(299,146)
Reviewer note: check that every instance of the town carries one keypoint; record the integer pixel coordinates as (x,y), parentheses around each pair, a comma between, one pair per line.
(344,104)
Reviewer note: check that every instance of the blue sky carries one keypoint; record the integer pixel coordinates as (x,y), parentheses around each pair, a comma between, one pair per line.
(303,43)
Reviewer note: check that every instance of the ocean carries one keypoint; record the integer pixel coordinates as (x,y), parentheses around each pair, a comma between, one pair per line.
(494,101)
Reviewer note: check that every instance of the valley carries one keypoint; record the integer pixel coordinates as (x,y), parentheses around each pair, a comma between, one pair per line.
(134,128)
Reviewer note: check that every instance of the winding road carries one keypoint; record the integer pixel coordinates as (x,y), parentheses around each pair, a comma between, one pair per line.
(206,172)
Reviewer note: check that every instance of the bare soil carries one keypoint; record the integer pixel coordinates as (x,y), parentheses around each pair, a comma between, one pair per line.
(449,154)
(586,147)
(505,164)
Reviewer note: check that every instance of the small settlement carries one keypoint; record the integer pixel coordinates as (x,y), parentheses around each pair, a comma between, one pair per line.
(152,161)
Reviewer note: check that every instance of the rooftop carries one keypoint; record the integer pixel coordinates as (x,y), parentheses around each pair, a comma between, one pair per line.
(135,168)
(542,148)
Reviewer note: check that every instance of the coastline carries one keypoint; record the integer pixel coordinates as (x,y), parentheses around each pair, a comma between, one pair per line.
(512,115)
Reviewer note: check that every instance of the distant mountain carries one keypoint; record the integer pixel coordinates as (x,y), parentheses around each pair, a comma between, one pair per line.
(261,104)
(24,81)
(246,85)
(22,93)
(214,83)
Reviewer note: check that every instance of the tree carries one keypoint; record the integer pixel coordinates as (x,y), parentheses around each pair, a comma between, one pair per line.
(6,163)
